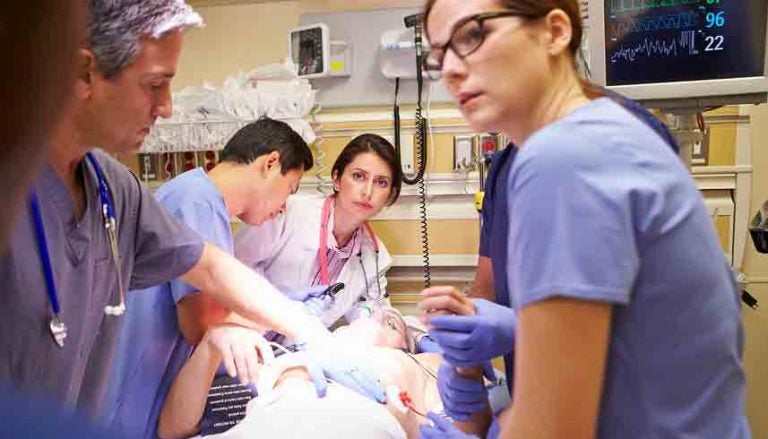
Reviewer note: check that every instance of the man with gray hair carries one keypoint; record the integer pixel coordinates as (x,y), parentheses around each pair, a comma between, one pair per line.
(92,232)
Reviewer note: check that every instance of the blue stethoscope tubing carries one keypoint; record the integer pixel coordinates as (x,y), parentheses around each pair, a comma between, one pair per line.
(58,328)
(110,225)
(45,258)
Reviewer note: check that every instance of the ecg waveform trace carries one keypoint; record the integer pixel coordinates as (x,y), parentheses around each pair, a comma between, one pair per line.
(622,6)
(679,20)
(650,47)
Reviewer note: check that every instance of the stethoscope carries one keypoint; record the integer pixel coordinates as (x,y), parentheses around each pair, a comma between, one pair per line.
(322,251)
(56,325)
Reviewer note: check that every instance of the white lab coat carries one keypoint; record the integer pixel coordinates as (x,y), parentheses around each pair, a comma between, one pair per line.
(285,250)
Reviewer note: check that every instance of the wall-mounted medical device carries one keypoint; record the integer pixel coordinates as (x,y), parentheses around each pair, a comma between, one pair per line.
(681,53)
(396,54)
(397,50)
(315,55)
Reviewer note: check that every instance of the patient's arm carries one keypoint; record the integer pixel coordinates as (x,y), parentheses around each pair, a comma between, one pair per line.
(185,404)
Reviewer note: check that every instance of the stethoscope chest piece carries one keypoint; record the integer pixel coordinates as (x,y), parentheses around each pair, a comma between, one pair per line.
(58,330)
(115,310)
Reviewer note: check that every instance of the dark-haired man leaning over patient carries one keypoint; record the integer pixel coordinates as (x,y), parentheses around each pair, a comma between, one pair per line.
(259,168)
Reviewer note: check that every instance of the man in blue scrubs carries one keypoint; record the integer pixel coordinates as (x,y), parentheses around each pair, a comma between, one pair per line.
(260,167)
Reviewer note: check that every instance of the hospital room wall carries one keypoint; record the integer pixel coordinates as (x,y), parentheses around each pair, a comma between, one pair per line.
(240,37)
(245,36)
(756,268)
(237,37)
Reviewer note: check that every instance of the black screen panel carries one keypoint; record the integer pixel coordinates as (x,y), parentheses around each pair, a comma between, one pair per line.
(657,41)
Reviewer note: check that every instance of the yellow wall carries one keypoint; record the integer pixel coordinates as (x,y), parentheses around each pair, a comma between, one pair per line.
(756,268)
(237,37)
(241,36)
(446,236)
(246,36)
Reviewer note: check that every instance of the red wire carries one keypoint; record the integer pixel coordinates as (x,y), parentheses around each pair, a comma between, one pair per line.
(408,403)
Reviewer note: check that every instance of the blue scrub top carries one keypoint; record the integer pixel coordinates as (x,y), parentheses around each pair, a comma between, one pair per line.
(601,209)
(152,350)
(25,416)
(495,219)
(495,223)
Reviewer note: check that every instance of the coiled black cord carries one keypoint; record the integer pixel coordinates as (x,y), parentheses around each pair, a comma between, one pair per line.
(421,157)
(421,153)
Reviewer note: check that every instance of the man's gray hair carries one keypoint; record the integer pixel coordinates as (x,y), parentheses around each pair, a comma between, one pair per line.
(116,28)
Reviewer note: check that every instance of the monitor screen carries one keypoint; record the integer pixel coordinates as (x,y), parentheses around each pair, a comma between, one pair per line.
(309,48)
(661,41)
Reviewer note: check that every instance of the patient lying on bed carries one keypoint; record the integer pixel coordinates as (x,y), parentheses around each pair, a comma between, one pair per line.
(292,407)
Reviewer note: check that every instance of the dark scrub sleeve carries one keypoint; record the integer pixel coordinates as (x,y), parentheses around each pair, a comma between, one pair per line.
(165,248)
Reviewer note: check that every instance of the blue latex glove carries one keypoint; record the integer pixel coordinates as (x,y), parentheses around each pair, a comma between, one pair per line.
(442,429)
(317,306)
(461,396)
(471,340)
(304,294)
(318,377)
(426,344)
(347,367)
(494,430)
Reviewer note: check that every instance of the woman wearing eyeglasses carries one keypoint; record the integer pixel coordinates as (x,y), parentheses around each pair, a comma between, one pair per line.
(626,318)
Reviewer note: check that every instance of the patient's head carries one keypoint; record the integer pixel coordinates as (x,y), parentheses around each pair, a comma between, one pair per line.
(385,327)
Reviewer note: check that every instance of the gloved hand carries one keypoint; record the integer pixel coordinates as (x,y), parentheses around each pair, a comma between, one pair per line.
(346,367)
(495,430)
(304,294)
(315,302)
(442,429)
(471,340)
(461,396)
(424,343)
(317,306)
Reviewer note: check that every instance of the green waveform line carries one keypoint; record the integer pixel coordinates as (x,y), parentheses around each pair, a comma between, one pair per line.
(621,6)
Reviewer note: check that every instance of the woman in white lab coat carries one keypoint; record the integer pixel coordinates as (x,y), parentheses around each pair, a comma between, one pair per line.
(366,177)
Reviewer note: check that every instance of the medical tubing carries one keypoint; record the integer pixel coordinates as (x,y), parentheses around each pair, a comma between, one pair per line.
(42,246)
(423,367)
(110,223)
(378,280)
(365,276)
(407,402)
